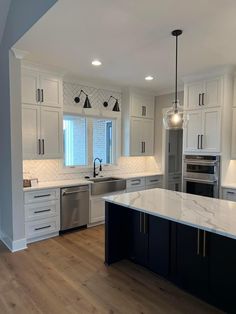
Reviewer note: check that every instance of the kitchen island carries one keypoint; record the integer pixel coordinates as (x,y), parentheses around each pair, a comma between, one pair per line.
(188,239)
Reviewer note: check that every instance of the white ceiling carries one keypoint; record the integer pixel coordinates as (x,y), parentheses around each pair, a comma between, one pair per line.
(132,39)
(4,7)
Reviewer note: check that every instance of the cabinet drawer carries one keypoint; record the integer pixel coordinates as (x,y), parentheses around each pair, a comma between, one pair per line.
(137,182)
(41,227)
(174,177)
(153,180)
(42,210)
(229,194)
(41,196)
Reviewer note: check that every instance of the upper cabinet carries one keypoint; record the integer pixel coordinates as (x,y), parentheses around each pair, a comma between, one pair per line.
(138,124)
(41,115)
(41,88)
(142,106)
(202,94)
(208,103)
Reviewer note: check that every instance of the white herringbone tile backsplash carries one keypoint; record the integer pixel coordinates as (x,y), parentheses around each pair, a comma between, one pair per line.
(50,170)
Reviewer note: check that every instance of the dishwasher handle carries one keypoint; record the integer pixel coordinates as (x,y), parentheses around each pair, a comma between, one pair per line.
(74,192)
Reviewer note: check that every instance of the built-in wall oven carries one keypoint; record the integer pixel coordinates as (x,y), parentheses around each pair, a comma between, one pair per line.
(201,175)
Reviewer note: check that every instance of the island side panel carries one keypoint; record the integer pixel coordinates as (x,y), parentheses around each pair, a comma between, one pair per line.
(116,244)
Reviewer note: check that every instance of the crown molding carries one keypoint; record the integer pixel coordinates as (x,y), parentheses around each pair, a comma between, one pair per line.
(19,54)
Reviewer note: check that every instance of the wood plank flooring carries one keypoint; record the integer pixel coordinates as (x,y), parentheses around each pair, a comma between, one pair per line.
(66,274)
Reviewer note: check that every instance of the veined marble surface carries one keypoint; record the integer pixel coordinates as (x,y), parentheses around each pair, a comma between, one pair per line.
(213,215)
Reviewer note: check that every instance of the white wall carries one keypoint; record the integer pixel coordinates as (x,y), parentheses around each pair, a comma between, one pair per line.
(21,16)
(161,102)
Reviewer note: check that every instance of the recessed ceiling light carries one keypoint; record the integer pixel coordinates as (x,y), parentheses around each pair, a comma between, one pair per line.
(96,62)
(149,78)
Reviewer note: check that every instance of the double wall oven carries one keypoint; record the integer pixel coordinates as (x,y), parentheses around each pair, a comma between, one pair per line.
(201,175)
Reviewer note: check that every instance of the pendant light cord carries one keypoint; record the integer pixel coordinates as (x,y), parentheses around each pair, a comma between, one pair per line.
(176,71)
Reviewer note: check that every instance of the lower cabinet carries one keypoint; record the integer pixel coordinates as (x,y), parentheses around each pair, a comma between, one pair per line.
(222,272)
(200,262)
(192,260)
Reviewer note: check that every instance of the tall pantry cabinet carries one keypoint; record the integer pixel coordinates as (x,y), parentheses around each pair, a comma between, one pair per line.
(41,114)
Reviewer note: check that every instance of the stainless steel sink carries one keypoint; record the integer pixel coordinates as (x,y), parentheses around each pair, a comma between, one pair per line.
(107,185)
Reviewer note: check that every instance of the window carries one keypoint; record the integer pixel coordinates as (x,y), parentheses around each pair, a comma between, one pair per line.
(86,138)
(75,141)
(102,140)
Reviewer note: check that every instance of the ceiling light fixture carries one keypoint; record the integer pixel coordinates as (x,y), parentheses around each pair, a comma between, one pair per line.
(116,106)
(87,103)
(96,62)
(175,118)
(149,78)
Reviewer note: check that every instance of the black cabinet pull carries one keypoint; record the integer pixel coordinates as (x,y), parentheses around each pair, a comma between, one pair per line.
(198,141)
(199,99)
(43,146)
(144,111)
(203,103)
(230,192)
(39,141)
(38,95)
(45,227)
(42,211)
(201,141)
(44,195)
(42,96)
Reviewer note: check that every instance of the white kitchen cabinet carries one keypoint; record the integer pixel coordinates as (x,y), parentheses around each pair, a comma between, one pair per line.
(137,124)
(229,194)
(42,121)
(142,105)
(141,137)
(192,131)
(51,129)
(203,132)
(41,132)
(97,210)
(41,88)
(30,87)
(42,214)
(203,94)
(30,131)
(233,141)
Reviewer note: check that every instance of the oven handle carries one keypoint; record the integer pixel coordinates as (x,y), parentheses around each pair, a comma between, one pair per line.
(201,163)
(200,180)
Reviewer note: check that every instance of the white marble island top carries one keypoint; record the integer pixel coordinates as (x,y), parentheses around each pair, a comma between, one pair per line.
(213,215)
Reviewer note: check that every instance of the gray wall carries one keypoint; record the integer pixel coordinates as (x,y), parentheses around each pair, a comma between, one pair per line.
(161,102)
(21,16)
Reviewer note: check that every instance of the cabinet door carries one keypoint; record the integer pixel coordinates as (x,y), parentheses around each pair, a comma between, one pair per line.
(159,245)
(142,106)
(193,131)
(213,93)
(135,137)
(31,131)
(52,90)
(51,132)
(97,210)
(138,237)
(211,130)
(29,87)
(192,267)
(147,137)
(233,142)
(222,274)
(192,97)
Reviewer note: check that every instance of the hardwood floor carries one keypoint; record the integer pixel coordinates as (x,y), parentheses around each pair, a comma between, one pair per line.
(67,275)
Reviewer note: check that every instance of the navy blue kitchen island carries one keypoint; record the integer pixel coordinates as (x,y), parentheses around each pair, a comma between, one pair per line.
(189,240)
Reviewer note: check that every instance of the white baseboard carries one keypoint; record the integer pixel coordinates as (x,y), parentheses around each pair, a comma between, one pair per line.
(13,246)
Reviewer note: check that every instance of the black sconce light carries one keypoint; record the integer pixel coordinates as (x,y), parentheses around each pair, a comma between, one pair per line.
(116,106)
(86,102)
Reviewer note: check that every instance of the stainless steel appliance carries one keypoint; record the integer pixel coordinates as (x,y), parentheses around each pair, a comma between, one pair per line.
(107,185)
(201,175)
(74,207)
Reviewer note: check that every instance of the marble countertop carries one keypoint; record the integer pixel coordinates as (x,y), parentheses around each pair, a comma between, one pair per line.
(67,183)
(213,215)
(229,185)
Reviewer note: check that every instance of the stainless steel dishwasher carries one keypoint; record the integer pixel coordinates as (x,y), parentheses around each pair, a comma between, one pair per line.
(74,207)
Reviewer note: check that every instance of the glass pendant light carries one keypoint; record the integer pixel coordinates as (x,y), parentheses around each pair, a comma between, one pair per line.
(175,118)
